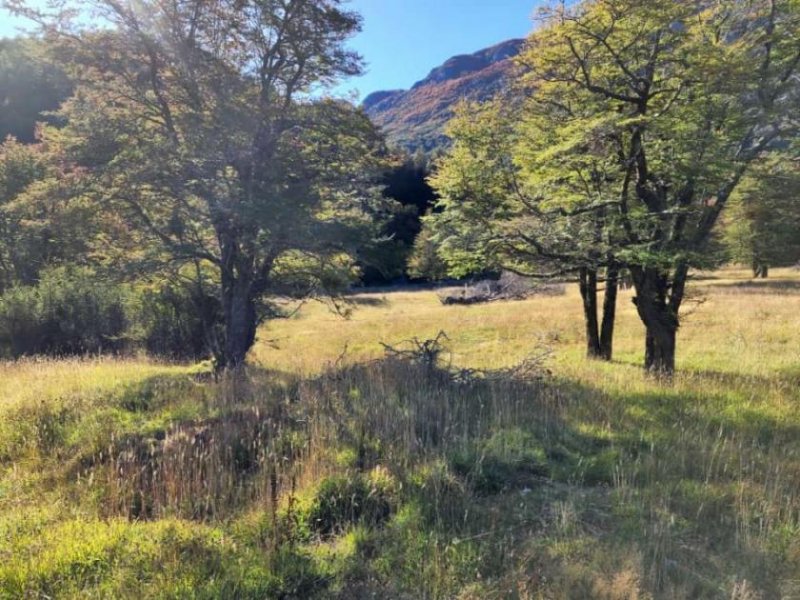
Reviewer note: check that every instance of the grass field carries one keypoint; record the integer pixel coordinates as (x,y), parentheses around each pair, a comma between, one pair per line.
(332,473)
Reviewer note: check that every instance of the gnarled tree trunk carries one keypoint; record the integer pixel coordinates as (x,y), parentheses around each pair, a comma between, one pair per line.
(660,347)
(658,310)
(240,326)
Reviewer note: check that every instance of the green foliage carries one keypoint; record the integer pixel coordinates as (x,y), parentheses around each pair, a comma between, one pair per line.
(406,184)
(258,179)
(31,84)
(175,320)
(508,459)
(75,311)
(69,312)
(763,220)
(20,167)
(630,126)
(473,182)
(44,219)
(424,261)
(344,500)
(168,559)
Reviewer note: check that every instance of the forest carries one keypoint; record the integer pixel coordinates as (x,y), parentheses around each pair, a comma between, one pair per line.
(250,348)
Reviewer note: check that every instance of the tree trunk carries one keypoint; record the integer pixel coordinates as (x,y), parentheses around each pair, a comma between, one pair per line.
(609,313)
(588,289)
(760,270)
(240,325)
(660,349)
(660,318)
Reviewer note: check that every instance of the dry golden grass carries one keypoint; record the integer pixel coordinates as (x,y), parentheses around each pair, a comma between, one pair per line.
(736,330)
(386,479)
(46,379)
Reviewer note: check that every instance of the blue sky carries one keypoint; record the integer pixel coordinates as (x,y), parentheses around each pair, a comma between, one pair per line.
(403,40)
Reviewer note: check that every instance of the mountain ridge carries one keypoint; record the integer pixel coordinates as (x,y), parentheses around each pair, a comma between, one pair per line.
(414,119)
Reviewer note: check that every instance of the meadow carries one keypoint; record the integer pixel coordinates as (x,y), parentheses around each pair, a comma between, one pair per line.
(334,471)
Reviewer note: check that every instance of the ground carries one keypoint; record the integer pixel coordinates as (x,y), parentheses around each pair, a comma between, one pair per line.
(334,473)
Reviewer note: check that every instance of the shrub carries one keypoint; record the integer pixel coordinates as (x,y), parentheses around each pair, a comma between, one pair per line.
(345,500)
(70,312)
(175,321)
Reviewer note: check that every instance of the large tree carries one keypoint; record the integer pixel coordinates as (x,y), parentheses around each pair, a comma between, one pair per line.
(649,114)
(502,208)
(203,128)
(684,96)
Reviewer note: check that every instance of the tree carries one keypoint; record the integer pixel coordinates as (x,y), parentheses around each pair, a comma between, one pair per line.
(202,126)
(44,220)
(762,225)
(407,187)
(503,207)
(424,261)
(680,99)
(30,87)
(657,110)
(20,167)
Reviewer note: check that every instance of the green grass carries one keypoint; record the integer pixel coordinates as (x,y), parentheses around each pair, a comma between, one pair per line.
(334,474)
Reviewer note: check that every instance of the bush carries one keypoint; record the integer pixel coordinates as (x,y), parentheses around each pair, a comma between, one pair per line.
(74,312)
(175,322)
(344,500)
(70,312)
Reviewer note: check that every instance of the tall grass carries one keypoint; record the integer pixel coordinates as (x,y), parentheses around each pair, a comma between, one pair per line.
(353,476)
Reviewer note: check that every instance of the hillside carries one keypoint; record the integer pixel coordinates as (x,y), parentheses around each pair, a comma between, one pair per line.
(415,118)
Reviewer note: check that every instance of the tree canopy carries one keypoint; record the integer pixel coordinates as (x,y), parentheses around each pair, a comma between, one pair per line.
(203,128)
(762,224)
(633,124)
(31,87)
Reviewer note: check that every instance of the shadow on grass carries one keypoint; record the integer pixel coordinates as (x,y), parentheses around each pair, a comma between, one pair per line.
(759,286)
(362,300)
(652,470)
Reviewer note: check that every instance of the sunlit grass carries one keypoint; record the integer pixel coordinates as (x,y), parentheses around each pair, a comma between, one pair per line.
(727,329)
(132,478)
(48,380)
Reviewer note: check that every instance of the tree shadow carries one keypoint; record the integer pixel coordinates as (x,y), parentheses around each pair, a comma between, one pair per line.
(363,300)
(761,286)
(621,460)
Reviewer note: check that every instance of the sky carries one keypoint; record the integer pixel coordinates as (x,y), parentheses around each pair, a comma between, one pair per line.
(402,40)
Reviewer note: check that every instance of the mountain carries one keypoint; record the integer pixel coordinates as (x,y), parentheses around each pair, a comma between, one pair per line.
(414,119)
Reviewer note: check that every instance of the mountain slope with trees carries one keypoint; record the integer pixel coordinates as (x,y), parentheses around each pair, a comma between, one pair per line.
(414,119)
